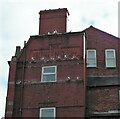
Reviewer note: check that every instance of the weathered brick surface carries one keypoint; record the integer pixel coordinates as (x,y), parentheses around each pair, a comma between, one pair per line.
(70,112)
(61,95)
(53,20)
(100,41)
(102,99)
(66,96)
(11,87)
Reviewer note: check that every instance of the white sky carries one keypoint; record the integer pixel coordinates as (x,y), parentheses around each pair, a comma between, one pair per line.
(19,19)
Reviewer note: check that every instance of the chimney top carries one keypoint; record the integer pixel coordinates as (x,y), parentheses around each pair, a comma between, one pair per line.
(54,10)
(53,20)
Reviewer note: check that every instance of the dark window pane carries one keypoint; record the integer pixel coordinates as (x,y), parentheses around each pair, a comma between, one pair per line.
(49,77)
(47,113)
(49,70)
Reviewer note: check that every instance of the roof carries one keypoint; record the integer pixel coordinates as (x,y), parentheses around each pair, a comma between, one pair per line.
(72,33)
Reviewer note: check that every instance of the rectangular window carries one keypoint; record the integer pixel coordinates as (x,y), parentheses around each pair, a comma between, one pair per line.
(49,113)
(91,58)
(49,74)
(110,58)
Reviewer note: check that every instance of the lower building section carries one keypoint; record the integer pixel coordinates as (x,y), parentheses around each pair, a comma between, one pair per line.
(57,99)
(70,111)
(103,98)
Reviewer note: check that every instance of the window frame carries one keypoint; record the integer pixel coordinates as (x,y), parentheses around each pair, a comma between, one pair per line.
(95,59)
(54,109)
(55,73)
(106,58)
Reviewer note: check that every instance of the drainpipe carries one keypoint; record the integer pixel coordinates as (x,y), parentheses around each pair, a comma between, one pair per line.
(84,69)
(22,80)
(118,65)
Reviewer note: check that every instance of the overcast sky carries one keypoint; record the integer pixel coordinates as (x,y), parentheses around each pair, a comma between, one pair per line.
(19,19)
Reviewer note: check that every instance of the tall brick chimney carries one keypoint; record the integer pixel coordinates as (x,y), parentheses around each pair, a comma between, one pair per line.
(53,20)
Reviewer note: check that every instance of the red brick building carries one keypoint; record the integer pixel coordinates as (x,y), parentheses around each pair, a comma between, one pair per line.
(65,74)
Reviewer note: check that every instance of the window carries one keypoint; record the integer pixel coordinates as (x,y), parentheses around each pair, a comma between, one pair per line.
(47,113)
(49,74)
(110,58)
(91,58)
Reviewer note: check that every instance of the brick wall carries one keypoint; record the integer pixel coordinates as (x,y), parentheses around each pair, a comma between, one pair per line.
(102,99)
(66,96)
(100,41)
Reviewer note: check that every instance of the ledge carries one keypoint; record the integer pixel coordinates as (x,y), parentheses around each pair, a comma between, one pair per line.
(112,113)
(103,81)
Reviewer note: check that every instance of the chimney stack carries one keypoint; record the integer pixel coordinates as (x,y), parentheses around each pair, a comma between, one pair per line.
(53,20)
